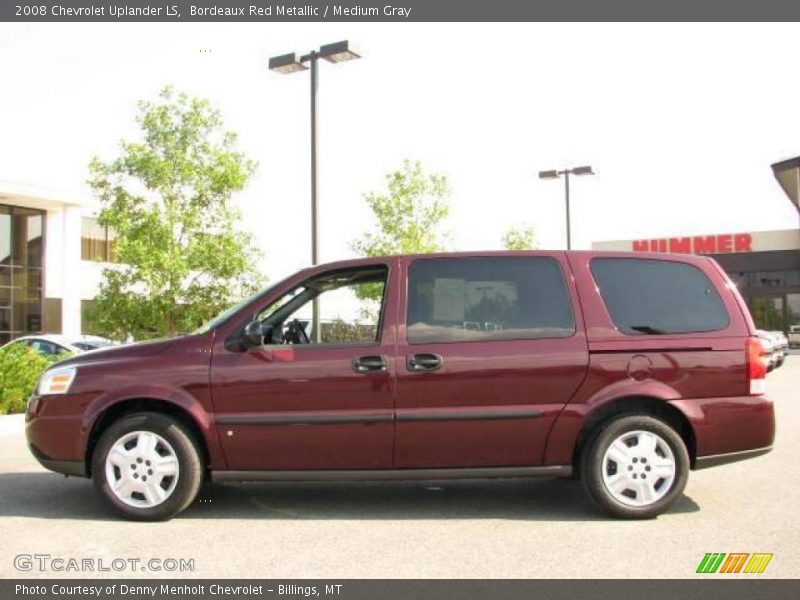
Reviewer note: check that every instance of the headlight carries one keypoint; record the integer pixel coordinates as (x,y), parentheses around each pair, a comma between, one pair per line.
(56,381)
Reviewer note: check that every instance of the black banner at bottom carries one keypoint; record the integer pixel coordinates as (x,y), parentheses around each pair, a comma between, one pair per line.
(708,588)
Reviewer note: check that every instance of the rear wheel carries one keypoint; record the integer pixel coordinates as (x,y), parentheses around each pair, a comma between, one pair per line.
(147,466)
(635,466)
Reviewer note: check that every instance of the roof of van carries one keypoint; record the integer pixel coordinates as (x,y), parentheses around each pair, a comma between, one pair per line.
(687,258)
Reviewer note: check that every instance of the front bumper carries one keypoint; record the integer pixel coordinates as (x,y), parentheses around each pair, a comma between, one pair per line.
(75,468)
(56,437)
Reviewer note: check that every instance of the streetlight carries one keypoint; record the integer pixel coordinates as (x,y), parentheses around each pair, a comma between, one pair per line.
(566,173)
(290,63)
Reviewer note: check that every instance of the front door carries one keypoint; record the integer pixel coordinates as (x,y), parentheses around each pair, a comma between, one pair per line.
(492,350)
(319,393)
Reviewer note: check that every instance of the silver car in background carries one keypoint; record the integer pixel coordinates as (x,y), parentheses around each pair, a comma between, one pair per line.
(794,336)
(52,344)
(774,349)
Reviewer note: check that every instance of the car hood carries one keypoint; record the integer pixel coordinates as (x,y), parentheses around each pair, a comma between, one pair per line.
(133,350)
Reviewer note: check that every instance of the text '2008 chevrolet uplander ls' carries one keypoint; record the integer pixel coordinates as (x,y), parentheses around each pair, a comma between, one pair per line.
(625,370)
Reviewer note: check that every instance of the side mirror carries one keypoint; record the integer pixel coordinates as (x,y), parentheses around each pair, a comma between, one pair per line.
(253,335)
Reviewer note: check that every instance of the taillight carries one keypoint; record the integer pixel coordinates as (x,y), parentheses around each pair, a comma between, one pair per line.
(756,366)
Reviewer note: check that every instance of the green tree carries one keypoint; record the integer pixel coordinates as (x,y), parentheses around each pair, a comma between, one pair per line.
(519,238)
(167,196)
(409,215)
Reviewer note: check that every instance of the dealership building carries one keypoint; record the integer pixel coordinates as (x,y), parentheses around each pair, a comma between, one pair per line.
(52,252)
(765,265)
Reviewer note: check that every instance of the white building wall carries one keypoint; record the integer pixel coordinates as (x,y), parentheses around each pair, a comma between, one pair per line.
(66,276)
(71,268)
(91,275)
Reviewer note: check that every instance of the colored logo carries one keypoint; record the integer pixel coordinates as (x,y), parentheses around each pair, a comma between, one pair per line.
(735,562)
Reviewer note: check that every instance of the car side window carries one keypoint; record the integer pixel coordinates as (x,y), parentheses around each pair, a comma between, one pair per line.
(652,297)
(350,305)
(478,299)
(44,347)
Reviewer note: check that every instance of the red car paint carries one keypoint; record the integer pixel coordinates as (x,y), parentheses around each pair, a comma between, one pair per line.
(538,395)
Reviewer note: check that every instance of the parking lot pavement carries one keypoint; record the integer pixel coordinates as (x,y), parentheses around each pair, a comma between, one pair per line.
(11,425)
(525,528)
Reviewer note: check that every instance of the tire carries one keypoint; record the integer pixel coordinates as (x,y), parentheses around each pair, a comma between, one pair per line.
(147,445)
(620,482)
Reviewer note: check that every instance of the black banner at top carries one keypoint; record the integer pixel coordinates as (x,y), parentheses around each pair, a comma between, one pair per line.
(397,10)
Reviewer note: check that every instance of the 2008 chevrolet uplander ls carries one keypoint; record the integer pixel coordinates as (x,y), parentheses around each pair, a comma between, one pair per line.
(625,370)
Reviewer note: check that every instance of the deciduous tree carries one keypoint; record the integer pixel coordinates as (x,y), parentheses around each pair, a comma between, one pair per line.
(180,258)
(408,214)
(519,238)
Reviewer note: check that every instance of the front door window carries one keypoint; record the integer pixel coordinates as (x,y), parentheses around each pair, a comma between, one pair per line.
(348,309)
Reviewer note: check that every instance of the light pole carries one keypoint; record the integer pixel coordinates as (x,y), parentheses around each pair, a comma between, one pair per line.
(290,63)
(578,171)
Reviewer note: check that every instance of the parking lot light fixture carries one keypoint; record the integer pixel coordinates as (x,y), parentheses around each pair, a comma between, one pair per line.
(339,52)
(289,63)
(555,174)
(286,63)
(582,171)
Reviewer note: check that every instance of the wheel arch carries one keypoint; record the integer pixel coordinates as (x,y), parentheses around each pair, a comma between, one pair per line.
(631,405)
(116,411)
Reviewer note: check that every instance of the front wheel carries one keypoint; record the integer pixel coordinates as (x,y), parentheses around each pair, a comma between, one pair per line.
(635,467)
(147,466)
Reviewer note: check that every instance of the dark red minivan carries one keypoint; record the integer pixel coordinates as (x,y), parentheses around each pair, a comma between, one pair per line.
(626,370)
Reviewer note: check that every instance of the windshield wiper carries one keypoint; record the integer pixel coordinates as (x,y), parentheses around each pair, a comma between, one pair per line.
(648,329)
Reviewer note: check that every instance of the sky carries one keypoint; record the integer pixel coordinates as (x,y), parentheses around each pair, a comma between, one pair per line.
(679,121)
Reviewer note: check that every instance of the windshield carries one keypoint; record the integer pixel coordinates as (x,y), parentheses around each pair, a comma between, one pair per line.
(228,313)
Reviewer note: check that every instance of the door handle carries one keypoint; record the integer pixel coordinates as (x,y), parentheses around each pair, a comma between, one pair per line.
(369,364)
(424,362)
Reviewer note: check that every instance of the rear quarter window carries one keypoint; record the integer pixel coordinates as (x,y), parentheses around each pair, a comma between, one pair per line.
(647,296)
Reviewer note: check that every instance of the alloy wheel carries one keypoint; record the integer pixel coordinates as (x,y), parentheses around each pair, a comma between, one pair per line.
(142,469)
(638,468)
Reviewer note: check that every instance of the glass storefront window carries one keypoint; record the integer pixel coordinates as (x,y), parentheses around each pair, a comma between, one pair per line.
(768,313)
(21,264)
(792,311)
(97,241)
(5,236)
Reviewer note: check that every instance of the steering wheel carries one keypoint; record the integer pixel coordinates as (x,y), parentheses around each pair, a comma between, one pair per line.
(296,334)
(304,339)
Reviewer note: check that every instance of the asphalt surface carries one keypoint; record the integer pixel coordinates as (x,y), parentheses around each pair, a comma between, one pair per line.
(470,529)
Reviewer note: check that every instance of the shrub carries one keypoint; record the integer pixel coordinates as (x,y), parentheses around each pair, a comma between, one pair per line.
(20,369)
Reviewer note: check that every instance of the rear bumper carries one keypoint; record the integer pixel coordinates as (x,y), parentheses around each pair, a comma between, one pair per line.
(729,429)
(703,462)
